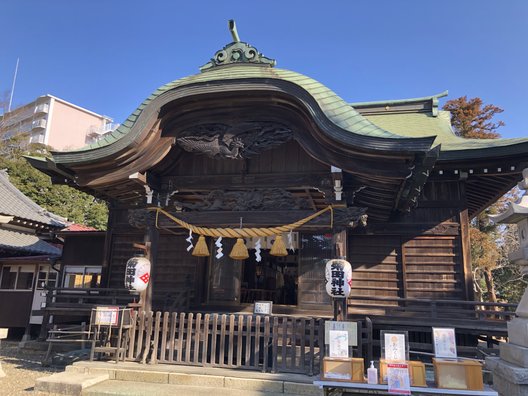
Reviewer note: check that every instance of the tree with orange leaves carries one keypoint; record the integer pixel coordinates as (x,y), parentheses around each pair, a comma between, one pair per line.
(472,119)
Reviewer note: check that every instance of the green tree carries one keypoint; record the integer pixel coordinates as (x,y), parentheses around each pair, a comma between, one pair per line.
(494,275)
(62,200)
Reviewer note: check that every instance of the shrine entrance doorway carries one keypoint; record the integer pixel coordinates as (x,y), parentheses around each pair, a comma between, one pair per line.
(292,280)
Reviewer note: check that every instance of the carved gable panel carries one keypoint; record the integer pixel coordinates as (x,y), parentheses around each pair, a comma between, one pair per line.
(242,140)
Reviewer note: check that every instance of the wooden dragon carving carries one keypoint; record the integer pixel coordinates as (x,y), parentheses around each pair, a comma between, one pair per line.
(234,141)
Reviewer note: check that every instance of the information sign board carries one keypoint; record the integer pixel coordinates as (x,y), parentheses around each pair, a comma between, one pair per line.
(107,316)
(263,307)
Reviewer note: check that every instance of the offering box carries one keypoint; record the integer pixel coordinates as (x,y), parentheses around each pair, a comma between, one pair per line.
(343,369)
(458,374)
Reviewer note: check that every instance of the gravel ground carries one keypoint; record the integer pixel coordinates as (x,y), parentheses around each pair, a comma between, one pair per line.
(22,367)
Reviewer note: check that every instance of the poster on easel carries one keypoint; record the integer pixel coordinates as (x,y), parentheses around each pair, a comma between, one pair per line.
(395,347)
(444,343)
(351,328)
(106,316)
(398,380)
(338,343)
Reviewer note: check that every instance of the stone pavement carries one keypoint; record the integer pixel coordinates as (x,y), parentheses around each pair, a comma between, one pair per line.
(106,378)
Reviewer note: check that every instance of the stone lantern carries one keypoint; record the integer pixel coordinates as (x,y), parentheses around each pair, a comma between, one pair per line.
(510,371)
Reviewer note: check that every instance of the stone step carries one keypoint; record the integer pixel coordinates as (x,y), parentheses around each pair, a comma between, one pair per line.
(138,379)
(68,383)
(132,388)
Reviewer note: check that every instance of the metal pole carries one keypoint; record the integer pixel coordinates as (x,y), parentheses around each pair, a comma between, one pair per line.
(13,86)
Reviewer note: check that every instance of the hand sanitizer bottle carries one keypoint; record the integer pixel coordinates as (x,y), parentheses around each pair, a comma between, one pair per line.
(372,374)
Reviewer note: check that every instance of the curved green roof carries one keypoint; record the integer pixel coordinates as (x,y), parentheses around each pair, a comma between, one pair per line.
(424,124)
(335,108)
(383,125)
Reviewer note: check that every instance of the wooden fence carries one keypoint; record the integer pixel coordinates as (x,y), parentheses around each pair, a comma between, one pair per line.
(265,343)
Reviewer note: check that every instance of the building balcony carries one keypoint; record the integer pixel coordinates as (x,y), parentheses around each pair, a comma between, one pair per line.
(39,124)
(96,132)
(42,108)
(37,138)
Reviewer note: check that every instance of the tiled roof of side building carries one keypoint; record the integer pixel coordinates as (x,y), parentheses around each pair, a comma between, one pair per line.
(27,243)
(74,227)
(14,203)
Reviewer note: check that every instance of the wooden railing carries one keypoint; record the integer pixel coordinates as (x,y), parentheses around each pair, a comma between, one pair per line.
(266,343)
(66,334)
(84,298)
(79,302)
(424,309)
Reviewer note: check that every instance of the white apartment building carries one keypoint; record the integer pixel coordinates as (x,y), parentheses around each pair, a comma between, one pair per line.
(56,123)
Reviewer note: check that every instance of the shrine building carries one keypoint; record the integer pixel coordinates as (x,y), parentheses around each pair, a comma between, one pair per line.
(245,145)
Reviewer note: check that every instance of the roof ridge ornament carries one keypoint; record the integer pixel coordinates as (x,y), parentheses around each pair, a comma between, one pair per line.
(237,52)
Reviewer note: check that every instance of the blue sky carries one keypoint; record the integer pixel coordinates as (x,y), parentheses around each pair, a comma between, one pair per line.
(109,55)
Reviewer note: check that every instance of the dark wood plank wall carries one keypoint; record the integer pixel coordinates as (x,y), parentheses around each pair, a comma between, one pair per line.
(376,265)
(121,250)
(434,264)
(433,268)
(420,255)
(84,249)
(176,270)
(15,307)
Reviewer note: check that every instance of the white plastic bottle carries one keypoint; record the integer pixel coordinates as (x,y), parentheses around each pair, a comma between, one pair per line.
(372,374)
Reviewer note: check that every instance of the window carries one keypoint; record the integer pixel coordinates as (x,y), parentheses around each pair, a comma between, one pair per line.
(47,277)
(17,277)
(9,275)
(82,277)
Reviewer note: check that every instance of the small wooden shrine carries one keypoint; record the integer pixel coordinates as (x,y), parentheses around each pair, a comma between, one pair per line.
(245,145)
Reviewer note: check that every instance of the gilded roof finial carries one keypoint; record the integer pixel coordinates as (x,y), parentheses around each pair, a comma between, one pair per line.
(237,52)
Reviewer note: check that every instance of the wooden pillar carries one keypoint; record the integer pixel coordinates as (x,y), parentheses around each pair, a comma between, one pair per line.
(151,244)
(466,269)
(340,245)
(403,269)
(107,255)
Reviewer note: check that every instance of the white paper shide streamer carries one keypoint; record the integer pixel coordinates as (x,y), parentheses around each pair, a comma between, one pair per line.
(258,257)
(290,242)
(219,249)
(189,239)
